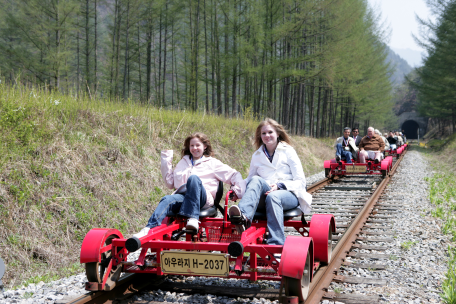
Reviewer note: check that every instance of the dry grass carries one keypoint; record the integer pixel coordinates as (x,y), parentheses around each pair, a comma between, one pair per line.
(448,153)
(68,165)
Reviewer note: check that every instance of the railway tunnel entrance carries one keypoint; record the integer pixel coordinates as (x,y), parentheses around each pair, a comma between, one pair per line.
(411,129)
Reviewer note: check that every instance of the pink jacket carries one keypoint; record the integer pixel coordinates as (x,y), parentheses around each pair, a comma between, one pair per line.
(209,170)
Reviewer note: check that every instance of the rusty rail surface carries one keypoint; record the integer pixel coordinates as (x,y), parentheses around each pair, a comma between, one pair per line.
(126,286)
(325,274)
(320,184)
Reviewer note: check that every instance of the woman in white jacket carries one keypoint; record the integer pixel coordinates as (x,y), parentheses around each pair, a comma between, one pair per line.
(276,181)
(196,178)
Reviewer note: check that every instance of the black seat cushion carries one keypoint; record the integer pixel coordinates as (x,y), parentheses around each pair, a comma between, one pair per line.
(286,214)
(211,211)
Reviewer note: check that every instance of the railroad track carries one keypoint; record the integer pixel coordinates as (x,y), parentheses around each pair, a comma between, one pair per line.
(353,200)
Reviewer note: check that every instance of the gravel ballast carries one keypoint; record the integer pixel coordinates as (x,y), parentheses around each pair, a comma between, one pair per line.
(417,258)
(413,276)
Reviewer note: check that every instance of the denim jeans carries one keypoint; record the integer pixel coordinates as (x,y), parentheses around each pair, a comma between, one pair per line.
(275,203)
(346,155)
(393,146)
(188,205)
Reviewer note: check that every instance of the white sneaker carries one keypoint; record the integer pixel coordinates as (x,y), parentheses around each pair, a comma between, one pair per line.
(234,211)
(192,224)
(142,233)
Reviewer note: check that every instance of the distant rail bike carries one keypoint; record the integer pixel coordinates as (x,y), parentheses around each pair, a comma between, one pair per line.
(396,152)
(370,167)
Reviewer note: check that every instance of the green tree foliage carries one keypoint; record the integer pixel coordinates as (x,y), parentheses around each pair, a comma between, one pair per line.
(313,65)
(436,81)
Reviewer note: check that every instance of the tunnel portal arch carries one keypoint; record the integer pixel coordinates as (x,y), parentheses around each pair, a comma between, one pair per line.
(411,129)
(411,120)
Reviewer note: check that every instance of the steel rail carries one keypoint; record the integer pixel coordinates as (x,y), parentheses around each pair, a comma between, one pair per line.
(321,183)
(126,286)
(325,274)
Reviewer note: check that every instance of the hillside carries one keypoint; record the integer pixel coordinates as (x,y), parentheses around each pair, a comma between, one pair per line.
(406,96)
(401,67)
(413,57)
(70,164)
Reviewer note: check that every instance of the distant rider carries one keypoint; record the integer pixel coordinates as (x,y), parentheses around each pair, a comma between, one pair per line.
(371,147)
(387,146)
(392,140)
(356,136)
(399,142)
(345,147)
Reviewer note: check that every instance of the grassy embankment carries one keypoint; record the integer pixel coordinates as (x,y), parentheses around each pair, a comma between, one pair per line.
(68,165)
(442,194)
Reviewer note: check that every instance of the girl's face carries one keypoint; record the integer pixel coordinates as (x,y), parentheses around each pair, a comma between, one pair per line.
(269,135)
(197,148)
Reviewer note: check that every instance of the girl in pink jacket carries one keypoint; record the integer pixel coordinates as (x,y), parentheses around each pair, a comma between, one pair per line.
(196,178)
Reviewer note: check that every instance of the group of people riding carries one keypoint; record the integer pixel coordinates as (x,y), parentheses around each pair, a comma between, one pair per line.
(371,146)
(276,182)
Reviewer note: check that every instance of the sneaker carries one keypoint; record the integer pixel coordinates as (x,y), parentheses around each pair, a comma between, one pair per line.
(237,218)
(337,158)
(142,233)
(192,224)
(376,161)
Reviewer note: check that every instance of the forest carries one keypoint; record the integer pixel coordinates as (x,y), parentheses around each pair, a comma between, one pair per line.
(435,81)
(315,66)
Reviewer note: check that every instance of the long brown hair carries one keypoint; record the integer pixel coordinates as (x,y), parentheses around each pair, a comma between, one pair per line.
(282,134)
(203,138)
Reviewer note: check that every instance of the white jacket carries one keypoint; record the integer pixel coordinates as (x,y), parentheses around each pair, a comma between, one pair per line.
(387,144)
(285,168)
(208,169)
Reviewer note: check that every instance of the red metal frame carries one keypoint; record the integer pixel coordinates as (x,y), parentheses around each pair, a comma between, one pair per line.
(215,234)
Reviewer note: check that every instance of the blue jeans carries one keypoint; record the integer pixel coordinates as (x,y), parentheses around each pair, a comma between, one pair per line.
(393,146)
(347,155)
(275,203)
(188,205)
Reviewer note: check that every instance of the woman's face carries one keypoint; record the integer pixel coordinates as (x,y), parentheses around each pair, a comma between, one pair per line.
(197,148)
(269,135)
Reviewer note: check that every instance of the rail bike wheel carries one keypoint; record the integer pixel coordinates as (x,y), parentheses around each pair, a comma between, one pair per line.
(321,229)
(299,287)
(330,247)
(95,271)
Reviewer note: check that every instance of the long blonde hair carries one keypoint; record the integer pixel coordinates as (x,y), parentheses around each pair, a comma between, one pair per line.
(281,133)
